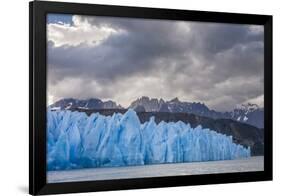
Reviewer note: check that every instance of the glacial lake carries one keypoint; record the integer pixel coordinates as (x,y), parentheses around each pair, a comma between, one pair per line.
(195,168)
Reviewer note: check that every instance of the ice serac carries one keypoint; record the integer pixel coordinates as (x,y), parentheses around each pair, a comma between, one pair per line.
(76,140)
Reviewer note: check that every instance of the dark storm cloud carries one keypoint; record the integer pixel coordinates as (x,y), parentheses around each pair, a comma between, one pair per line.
(220,64)
(136,50)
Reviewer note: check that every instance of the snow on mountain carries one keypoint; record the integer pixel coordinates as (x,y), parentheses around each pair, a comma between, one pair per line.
(249,113)
(93,103)
(76,140)
(150,105)
(246,113)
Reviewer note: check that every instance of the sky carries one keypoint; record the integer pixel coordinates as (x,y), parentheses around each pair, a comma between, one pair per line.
(122,59)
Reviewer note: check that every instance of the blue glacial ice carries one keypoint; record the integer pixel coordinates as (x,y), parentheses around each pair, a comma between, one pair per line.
(76,140)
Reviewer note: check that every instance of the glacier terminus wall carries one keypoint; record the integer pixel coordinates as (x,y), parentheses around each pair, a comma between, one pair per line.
(75,140)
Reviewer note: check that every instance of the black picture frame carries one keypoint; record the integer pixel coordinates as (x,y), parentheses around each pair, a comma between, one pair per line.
(37,97)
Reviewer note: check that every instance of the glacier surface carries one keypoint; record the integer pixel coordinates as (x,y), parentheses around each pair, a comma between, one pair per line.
(75,140)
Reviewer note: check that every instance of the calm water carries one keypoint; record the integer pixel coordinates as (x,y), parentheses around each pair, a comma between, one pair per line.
(229,166)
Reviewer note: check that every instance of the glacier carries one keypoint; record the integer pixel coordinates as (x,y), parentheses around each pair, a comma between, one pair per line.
(75,141)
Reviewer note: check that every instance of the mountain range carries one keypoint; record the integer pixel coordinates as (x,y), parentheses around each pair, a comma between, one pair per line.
(93,103)
(246,113)
(249,113)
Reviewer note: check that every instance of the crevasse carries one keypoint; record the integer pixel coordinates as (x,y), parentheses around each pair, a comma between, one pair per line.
(75,140)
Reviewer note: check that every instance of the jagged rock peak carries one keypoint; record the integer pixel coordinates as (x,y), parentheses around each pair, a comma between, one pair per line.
(175,100)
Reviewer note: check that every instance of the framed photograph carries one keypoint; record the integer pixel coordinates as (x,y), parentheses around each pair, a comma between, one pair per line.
(131,97)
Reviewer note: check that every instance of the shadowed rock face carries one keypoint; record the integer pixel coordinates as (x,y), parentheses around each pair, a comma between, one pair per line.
(139,108)
(242,133)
